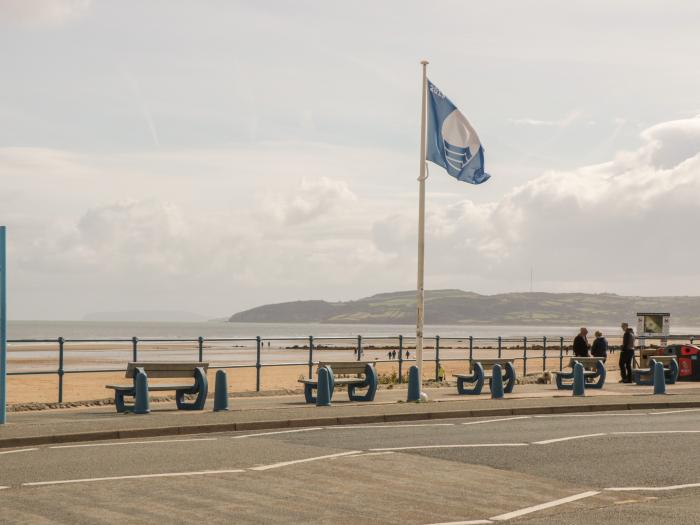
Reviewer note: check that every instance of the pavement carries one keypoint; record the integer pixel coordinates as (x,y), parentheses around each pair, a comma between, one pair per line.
(631,466)
(290,411)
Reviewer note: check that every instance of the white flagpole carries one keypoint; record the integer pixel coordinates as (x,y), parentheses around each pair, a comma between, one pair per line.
(420,293)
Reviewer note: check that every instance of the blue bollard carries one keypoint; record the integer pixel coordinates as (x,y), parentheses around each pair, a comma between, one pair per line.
(413,384)
(659,378)
(579,380)
(221,392)
(496,382)
(323,394)
(141,404)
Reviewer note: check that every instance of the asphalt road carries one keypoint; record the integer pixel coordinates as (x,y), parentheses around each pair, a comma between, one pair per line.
(633,467)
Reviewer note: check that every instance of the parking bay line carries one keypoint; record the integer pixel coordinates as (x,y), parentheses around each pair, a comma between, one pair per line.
(122,443)
(133,476)
(277,432)
(305,460)
(16,451)
(471,445)
(495,420)
(655,489)
(568,438)
(543,506)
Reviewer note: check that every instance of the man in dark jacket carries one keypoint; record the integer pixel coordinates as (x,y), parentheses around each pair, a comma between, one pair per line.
(600,346)
(581,344)
(626,354)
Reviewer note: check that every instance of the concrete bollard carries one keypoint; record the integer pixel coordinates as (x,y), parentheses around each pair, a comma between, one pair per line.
(141,403)
(659,378)
(579,380)
(323,393)
(221,392)
(413,384)
(496,382)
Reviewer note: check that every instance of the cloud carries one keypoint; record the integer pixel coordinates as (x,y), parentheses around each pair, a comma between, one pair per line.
(41,12)
(619,226)
(564,122)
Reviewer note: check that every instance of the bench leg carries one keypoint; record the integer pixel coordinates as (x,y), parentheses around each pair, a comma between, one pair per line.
(560,381)
(371,382)
(601,374)
(201,388)
(510,377)
(119,401)
(309,393)
(476,379)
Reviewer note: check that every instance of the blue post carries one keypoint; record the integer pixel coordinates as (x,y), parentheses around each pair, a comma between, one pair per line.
(359,347)
(3,325)
(258,345)
(561,354)
(437,358)
(323,394)
(524,356)
(400,359)
(141,404)
(200,346)
(135,349)
(496,382)
(500,346)
(579,380)
(311,357)
(544,353)
(413,384)
(61,341)
(221,392)
(659,378)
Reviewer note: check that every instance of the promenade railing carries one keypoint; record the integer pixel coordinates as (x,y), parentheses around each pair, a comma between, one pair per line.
(531,354)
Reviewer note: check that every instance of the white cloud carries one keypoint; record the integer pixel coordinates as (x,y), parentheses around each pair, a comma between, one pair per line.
(48,12)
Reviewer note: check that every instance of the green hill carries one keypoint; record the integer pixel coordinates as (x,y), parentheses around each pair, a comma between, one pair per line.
(459,307)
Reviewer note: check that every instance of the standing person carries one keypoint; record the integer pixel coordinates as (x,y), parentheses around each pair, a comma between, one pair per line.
(600,346)
(626,354)
(581,343)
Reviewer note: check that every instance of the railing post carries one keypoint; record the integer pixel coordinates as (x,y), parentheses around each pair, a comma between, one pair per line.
(524,356)
(311,357)
(135,350)
(437,358)
(400,359)
(544,353)
(60,369)
(471,349)
(359,347)
(200,342)
(561,354)
(500,346)
(257,363)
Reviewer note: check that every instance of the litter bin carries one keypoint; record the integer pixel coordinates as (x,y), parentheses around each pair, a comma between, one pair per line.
(688,357)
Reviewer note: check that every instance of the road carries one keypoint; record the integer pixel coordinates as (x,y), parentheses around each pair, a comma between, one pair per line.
(633,467)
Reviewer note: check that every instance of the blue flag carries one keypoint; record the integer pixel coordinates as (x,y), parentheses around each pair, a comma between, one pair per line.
(452,141)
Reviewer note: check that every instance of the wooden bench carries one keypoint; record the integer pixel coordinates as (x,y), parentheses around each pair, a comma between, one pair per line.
(194,370)
(482,369)
(363,376)
(645,375)
(594,373)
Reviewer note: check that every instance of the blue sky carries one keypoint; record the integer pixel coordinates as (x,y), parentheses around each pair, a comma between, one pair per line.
(212,156)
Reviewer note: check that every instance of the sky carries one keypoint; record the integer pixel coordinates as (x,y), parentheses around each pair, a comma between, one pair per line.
(218,155)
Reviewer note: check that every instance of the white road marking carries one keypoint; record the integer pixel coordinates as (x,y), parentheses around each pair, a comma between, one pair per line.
(135,476)
(674,411)
(277,432)
(20,450)
(368,454)
(495,420)
(306,460)
(474,445)
(670,487)
(597,414)
(344,427)
(550,504)
(568,438)
(3,488)
(630,432)
(470,522)
(121,443)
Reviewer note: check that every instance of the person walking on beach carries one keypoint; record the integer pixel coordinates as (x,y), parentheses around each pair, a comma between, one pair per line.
(600,346)
(626,354)
(581,343)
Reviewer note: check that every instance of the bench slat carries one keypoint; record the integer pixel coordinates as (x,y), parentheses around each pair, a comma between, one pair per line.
(165,369)
(150,387)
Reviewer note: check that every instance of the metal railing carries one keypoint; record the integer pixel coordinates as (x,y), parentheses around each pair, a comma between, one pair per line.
(523,349)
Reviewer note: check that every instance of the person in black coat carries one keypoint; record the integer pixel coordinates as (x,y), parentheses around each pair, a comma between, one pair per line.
(581,344)
(599,348)
(626,354)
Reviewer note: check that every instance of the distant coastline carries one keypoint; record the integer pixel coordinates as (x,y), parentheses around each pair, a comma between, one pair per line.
(457,307)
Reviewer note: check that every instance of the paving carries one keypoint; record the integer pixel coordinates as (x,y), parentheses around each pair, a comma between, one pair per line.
(271,412)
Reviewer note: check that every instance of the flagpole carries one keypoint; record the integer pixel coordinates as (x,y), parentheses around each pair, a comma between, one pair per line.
(420,292)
